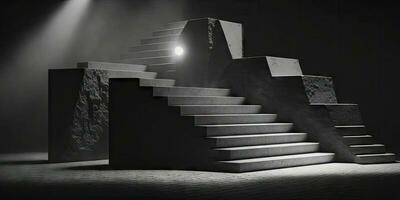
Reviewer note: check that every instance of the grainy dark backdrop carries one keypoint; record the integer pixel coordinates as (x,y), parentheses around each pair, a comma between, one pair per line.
(356,42)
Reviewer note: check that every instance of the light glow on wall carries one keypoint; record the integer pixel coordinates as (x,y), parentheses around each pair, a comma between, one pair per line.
(179,51)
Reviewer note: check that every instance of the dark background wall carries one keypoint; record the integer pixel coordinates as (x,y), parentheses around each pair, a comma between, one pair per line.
(356,42)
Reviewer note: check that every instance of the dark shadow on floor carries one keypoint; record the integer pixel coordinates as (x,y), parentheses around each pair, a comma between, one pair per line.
(91,167)
(23,162)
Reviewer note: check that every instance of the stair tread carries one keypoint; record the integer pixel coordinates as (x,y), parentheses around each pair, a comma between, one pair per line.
(157,43)
(254,135)
(156,57)
(357,136)
(112,63)
(350,126)
(377,154)
(166,29)
(266,146)
(160,64)
(333,104)
(231,115)
(273,158)
(163,79)
(165,36)
(182,87)
(367,145)
(216,105)
(226,97)
(250,124)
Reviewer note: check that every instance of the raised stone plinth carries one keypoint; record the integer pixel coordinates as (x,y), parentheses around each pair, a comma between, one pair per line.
(78,114)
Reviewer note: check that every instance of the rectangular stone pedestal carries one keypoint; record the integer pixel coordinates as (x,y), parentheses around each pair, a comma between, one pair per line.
(78,114)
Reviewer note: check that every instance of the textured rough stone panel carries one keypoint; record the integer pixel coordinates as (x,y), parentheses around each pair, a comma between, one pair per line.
(319,89)
(211,32)
(90,120)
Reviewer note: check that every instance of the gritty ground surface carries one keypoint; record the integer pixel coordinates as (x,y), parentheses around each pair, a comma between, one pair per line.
(30,176)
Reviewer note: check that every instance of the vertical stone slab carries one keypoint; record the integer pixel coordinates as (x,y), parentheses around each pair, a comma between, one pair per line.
(78,114)
(234,37)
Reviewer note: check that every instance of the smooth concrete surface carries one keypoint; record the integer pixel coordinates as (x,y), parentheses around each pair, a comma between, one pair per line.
(281,67)
(234,37)
(29,175)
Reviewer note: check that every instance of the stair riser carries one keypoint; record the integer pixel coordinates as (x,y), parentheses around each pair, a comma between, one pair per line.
(233,142)
(146,54)
(167,32)
(375,159)
(265,152)
(125,74)
(111,66)
(201,120)
(351,131)
(247,167)
(151,61)
(175,25)
(156,83)
(159,40)
(167,74)
(161,68)
(242,130)
(204,101)
(219,110)
(151,47)
(367,150)
(355,141)
(188,92)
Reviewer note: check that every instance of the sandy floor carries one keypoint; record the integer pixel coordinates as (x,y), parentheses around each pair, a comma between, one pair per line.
(28,175)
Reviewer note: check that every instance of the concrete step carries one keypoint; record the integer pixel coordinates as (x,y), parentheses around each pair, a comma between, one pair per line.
(351,130)
(358,139)
(242,129)
(111,66)
(234,118)
(245,152)
(254,164)
(368,148)
(256,139)
(131,74)
(157,82)
(153,47)
(375,158)
(189,91)
(166,38)
(210,100)
(219,109)
(163,67)
(179,24)
(171,31)
(149,53)
(151,60)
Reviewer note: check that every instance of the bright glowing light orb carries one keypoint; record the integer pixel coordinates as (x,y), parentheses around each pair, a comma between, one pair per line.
(179,51)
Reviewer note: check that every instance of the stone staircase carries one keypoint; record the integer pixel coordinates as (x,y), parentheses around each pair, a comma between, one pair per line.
(239,137)
(230,120)
(363,145)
